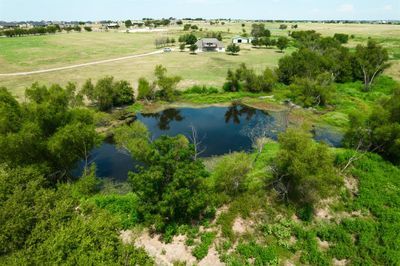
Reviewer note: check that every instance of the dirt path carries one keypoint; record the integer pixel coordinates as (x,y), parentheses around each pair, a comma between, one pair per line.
(79,65)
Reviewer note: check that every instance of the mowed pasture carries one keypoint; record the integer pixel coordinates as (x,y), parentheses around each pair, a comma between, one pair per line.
(33,53)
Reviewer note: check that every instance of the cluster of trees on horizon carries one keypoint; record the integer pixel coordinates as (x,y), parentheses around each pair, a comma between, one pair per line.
(51,29)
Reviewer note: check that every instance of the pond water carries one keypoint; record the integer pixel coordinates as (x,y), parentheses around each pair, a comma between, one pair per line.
(219,129)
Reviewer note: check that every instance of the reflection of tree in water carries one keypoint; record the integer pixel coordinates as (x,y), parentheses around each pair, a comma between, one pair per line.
(235,112)
(165,117)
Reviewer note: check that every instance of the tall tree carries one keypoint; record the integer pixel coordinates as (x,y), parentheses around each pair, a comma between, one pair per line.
(371,61)
(282,43)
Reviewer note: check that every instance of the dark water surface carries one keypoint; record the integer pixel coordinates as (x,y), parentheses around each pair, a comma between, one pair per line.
(220,129)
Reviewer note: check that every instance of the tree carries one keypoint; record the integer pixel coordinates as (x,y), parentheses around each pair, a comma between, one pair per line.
(171,184)
(182,47)
(305,170)
(312,92)
(107,93)
(128,23)
(342,38)
(193,48)
(123,93)
(166,84)
(371,61)
(71,143)
(230,173)
(233,49)
(282,43)
(10,112)
(378,131)
(303,63)
(259,31)
(283,27)
(104,93)
(88,29)
(145,90)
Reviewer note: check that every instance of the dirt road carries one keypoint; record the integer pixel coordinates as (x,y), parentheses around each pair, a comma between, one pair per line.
(78,65)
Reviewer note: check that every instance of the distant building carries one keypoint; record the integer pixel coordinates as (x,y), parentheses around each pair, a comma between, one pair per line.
(210,45)
(240,39)
(112,25)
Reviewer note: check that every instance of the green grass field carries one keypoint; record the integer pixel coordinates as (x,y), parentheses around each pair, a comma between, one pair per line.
(44,52)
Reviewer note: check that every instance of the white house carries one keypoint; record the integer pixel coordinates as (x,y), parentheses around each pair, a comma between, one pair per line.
(240,39)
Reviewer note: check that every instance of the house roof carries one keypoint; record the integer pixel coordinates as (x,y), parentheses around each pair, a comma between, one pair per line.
(209,43)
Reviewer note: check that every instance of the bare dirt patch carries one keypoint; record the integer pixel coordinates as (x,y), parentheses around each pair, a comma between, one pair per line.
(323,245)
(337,262)
(241,226)
(166,254)
(351,184)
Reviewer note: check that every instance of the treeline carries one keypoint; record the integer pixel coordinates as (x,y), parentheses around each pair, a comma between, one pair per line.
(52,29)
(162,42)
(311,71)
(318,55)
(148,22)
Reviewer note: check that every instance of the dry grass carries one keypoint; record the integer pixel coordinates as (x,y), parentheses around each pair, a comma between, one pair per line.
(43,52)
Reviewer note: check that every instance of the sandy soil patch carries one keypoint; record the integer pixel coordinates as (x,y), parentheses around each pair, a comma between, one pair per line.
(351,184)
(337,262)
(241,226)
(323,245)
(166,254)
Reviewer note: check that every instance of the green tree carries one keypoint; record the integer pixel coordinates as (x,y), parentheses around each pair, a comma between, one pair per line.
(104,93)
(123,93)
(305,169)
(233,49)
(145,90)
(128,23)
(282,43)
(259,31)
(371,60)
(182,47)
(193,48)
(230,173)
(166,84)
(312,92)
(71,143)
(170,185)
(10,112)
(378,131)
(342,38)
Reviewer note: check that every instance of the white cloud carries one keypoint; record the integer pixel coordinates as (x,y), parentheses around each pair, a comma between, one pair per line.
(346,8)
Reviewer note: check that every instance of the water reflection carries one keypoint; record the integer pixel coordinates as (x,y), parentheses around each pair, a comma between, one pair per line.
(235,112)
(165,117)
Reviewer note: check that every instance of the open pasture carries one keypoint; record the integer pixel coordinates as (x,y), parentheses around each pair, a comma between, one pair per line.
(51,51)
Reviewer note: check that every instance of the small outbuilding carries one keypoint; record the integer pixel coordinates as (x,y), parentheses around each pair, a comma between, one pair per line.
(240,39)
(210,45)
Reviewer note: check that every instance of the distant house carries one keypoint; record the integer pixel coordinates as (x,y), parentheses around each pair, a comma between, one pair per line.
(240,39)
(112,25)
(210,45)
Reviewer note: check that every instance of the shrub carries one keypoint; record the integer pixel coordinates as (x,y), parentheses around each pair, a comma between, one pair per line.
(231,173)
(201,250)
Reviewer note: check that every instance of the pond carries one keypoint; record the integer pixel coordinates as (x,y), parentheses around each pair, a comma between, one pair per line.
(219,130)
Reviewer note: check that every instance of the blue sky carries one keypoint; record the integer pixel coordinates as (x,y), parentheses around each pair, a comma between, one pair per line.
(11,10)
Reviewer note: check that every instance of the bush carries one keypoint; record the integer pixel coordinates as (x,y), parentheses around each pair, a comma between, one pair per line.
(201,250)
(196,89)
(231,173)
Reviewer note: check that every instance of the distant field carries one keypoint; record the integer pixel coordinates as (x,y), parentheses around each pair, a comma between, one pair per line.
(43,52)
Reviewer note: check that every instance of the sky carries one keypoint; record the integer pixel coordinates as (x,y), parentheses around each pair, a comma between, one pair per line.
(18,10)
